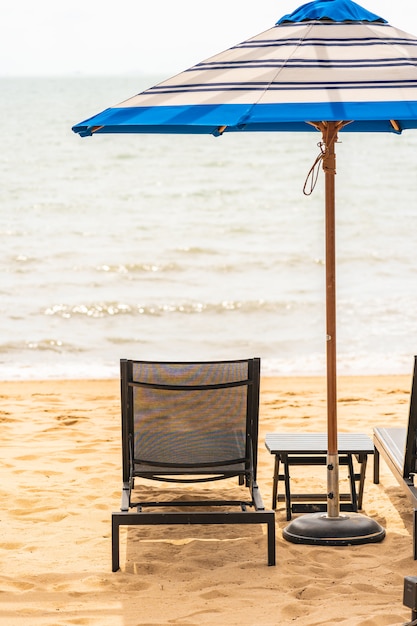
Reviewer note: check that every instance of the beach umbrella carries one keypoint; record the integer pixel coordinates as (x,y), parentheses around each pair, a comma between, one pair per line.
(330,66)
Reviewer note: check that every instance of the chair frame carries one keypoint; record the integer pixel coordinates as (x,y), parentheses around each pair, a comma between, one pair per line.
(398,448)
(195,474)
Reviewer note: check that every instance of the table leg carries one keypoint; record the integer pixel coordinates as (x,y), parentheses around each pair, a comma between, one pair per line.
(353,494)
(275,482)
(376,466)
(363,462)
(287,486)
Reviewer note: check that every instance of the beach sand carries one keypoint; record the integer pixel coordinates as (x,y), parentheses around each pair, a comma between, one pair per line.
(61,481)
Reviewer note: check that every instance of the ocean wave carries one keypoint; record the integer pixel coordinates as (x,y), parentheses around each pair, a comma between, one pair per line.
(310,365)
(198,250)
(111,309)
(41,345)
(132,268)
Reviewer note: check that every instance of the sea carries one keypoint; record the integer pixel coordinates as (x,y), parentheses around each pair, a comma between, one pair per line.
(176,247)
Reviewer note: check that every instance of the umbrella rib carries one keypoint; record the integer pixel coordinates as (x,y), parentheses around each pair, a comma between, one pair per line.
(274,79)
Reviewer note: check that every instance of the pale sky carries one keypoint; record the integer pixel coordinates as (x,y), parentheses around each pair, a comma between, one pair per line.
(54,37)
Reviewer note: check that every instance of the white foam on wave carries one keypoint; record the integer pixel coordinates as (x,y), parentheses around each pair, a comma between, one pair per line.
(310,365)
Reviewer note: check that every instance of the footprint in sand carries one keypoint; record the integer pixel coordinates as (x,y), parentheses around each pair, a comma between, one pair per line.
(69,420)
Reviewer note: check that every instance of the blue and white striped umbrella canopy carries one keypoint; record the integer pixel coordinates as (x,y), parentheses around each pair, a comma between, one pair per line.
(329,60)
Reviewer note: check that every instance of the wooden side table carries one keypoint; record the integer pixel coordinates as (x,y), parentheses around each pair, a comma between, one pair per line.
(311,449)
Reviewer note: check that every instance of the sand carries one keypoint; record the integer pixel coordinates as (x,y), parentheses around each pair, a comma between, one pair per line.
(60,481)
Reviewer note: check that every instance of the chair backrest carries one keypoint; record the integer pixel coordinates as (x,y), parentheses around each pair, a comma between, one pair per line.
(410,453)
(199,417)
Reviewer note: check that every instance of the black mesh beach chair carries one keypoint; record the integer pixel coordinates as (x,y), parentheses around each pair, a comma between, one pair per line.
(190,423)
(398,448)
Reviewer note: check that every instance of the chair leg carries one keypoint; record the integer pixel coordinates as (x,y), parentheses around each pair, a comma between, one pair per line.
(271,541)
(115,544)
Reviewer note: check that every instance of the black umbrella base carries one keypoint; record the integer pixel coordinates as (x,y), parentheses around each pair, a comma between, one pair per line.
(344,530)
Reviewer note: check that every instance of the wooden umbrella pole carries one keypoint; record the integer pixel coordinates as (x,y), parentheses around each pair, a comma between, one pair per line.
(329,131)
(332,528)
